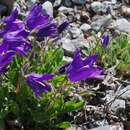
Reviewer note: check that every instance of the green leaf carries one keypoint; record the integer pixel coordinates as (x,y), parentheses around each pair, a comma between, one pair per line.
(64,125)
(73,105)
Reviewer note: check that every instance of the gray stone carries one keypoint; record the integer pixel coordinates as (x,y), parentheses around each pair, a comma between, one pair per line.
(48,7)
(71,45)
(85,27)
(123,25)
(30,3)
(57,3)
(74,128)
(116,127)
(113,1)
(103,21)
(97,7)
(108,127)
(75,32)
(65,10)
(79,1)
(118,104)
(125,92)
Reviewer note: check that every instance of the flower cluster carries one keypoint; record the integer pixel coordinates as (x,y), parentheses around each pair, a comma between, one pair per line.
(14,40)
(15,32)
(77,70)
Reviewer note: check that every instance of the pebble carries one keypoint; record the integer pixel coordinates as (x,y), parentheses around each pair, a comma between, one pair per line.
(48,7)
(123,25)
(85,27)
(80,2)
(102,21)
(65,10)
(108,128)
(97,7)
(57,3)
(75,32)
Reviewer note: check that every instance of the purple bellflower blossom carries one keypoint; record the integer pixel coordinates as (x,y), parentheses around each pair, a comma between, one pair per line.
(37,18)
(82,69)
(16,26)
(18,44)
(5,59)
(48,31)
(12,17)
(37,83)
(105,41)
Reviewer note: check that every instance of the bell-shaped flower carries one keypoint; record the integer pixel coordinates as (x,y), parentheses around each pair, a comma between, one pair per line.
(38,84)
(105,41)
(82,69)
(5,59)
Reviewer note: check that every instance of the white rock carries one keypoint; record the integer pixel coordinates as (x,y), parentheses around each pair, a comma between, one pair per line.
(65,9)
(114,127)
(30,3)
(80,2)
(102,21)
(57,3)
(75,32)
(125,92)
(48,7)
(118,104)
(85,27)
(123,25)
(67,45)
(72,45)
(97,7)
(113,1)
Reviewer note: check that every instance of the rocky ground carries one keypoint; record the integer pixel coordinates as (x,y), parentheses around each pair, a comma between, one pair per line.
(109,108)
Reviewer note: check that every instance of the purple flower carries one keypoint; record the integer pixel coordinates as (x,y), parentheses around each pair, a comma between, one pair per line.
(81,69)
(5,59)
(15,26)
(48,31)
(63,26)
(37,83)
(17,44)
(105,41)
(12,17)
(37,18)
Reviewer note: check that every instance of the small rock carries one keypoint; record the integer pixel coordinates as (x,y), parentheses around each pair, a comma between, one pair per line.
(71,45)
(75,32)
(67,45)
(97,7)
(118,104)
(80,2)
(85,27)
(123,25)
(75,128)
(57,3)
(30,3)
(116,127)
(113,1)
(102,21)
(125,10)
(48,7)
(65,10)
(125,92)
